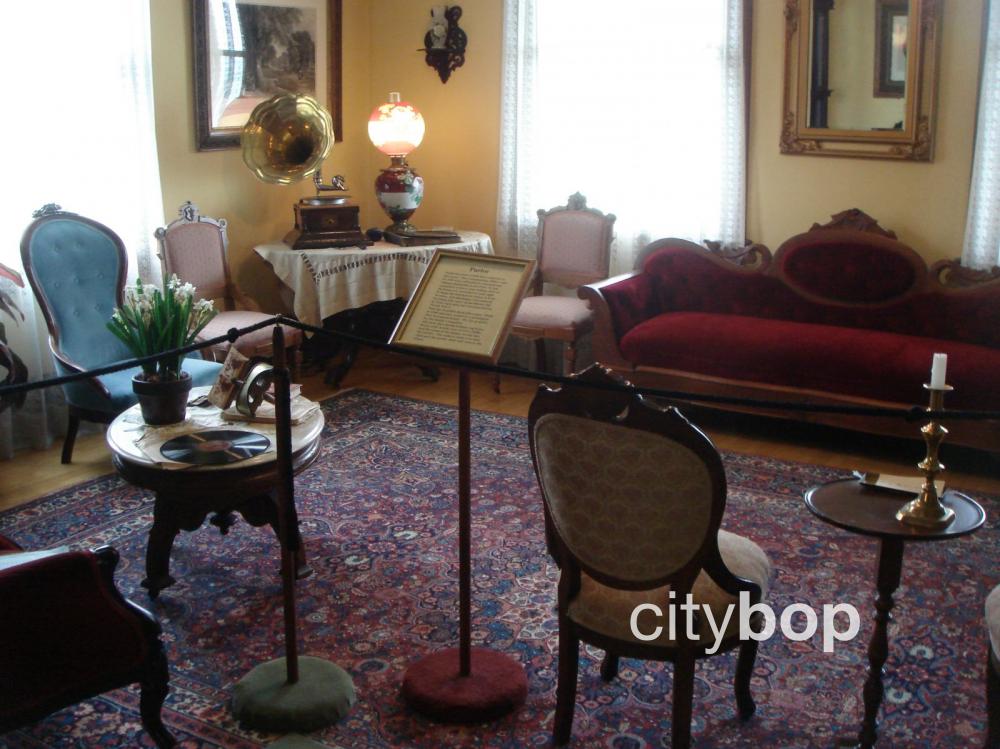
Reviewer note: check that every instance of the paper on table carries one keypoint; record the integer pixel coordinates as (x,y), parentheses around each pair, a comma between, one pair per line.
(905,484)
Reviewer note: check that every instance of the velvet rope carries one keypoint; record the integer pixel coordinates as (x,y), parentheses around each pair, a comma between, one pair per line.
(912,414)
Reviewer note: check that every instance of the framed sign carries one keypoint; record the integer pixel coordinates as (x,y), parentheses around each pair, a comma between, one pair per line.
(464,304)
(246,51)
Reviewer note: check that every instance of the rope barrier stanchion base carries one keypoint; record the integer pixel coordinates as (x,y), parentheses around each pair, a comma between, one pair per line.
(435,687)
(266,701)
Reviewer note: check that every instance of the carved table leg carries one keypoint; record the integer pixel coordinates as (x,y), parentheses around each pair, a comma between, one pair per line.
(161,541)
(890,565)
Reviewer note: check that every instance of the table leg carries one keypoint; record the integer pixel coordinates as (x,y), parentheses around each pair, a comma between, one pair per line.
(161,542)
(337,372)
(890,566)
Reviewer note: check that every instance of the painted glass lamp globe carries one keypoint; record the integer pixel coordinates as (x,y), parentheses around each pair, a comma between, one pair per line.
(396,128)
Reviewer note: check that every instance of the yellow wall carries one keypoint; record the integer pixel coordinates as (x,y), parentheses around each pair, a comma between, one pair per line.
(218,181)
(925,203)
(460,153)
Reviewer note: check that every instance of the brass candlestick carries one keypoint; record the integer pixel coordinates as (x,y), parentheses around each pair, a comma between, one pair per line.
(926,510)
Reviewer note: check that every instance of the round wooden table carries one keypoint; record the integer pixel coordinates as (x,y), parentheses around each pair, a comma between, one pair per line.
(186,496)
(871,511)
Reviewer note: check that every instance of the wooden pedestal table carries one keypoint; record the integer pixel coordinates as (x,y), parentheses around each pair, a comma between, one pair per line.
(185,497)
(871,511)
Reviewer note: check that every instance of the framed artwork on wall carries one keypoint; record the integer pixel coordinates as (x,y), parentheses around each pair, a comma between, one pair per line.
(891,31)
(246,51)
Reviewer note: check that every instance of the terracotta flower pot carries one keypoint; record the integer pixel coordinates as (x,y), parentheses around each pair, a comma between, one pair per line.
(162,402)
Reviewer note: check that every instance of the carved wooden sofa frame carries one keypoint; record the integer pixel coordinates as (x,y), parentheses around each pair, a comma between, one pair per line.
(945,280)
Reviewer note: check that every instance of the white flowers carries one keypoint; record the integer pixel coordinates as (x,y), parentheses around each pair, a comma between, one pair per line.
(182,291)
(151,322)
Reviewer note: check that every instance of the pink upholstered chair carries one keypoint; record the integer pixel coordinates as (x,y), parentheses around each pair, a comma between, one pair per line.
(194,247)
(634,495)
(574,248)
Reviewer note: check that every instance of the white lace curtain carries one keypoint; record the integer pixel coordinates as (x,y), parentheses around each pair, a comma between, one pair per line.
(982,228)
(639,105)
(78,129)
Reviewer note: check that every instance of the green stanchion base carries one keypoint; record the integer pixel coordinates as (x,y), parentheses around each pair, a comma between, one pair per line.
(264,700)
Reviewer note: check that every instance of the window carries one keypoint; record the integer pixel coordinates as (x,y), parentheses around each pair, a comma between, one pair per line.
(638,105)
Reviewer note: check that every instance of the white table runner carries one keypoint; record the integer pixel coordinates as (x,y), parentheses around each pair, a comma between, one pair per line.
(329,281)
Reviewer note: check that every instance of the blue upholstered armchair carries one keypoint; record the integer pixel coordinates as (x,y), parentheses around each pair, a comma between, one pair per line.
(77,269)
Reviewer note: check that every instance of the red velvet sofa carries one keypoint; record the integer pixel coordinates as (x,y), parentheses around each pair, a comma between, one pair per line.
(844,314)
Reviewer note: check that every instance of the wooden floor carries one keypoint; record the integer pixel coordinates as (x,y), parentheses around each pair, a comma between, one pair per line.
(37,473)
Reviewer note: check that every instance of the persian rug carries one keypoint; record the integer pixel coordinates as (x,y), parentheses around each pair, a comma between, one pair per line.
(378,512)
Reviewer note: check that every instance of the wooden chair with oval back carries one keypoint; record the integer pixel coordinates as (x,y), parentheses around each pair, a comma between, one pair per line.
(634,496)
(77,269)
(195,248)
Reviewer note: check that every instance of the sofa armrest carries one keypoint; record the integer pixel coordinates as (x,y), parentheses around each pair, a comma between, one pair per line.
(618,303)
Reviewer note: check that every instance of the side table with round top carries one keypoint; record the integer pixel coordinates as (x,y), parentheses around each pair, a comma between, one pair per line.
(186,496)
(871,511)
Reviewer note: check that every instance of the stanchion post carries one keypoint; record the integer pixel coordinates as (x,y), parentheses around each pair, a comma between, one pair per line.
(287,515)
(276,696)
(464,524)
(465,685)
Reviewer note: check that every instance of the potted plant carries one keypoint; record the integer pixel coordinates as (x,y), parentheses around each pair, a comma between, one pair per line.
(151,321)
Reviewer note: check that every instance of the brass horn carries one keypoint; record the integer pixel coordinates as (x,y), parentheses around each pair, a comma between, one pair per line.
(285,140)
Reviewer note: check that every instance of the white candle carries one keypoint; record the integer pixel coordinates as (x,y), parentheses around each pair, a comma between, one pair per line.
(938,368)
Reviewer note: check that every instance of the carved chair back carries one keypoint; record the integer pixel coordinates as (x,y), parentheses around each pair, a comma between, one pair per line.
(574,244)
(633,493)
(195,248)
(76,268)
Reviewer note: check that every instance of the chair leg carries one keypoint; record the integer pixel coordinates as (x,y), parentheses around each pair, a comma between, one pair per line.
(72,427)
(154,688)
(569,358)
(496,383)
(992,702)
(569,656)
(540,364)
(609,666)
(744,670)
(683,697)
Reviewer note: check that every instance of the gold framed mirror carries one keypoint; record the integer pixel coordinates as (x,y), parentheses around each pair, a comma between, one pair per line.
(860,78)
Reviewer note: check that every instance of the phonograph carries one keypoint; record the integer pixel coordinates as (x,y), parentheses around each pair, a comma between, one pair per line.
(286,140)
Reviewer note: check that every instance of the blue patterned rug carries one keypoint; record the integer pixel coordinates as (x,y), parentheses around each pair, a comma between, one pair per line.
(378,512)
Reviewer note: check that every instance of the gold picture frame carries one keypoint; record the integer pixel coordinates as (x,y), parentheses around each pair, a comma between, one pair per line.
(913,141)
(464,305)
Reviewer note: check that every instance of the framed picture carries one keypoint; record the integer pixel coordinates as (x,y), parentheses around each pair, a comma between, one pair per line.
(464,304)
(891,31)
(246,51)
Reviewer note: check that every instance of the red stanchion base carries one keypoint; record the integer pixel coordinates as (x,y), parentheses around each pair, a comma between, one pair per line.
(496,686)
